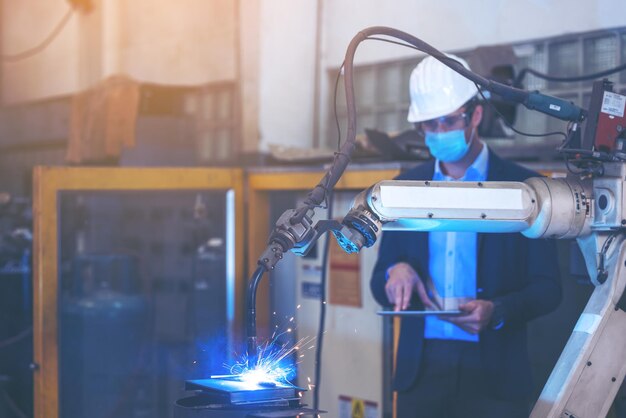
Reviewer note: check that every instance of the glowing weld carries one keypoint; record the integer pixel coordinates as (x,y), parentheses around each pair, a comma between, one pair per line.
(273,364)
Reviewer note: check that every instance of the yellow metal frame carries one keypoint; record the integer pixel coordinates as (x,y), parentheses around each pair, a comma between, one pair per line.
(48,182)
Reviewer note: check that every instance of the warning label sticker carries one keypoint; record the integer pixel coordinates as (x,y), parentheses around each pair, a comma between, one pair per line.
(613,104)
(350,407)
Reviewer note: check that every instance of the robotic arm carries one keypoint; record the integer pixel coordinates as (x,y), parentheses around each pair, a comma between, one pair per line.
(591,367)
(538,208)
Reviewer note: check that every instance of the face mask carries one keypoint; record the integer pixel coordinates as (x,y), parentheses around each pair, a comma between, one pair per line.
(447,146)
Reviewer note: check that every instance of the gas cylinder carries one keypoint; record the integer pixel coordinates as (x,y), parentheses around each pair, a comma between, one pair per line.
(103,329)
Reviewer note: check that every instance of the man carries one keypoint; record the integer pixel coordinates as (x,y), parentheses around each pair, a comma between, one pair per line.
(474,364)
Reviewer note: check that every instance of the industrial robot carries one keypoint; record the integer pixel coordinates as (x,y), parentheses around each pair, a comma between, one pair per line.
(588,205)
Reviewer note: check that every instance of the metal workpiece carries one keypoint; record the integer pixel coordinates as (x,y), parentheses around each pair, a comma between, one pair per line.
(213,411)
(563,208)
(232,396)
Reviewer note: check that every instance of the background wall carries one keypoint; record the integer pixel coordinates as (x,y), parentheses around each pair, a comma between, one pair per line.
(191,42)
(184,54)
(287,68)
(54,71)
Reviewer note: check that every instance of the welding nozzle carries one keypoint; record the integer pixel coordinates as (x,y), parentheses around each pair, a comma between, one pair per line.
(252,348)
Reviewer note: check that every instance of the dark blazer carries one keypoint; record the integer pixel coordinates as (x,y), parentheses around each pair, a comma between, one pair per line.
(519,272)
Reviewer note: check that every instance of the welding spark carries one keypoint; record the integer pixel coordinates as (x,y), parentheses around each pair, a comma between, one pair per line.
(273,364)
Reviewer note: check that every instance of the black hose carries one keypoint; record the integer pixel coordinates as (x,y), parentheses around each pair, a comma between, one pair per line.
(584,77)
(322,322)
(253,284)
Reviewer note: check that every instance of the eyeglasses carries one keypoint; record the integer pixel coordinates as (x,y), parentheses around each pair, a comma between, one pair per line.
(446,122)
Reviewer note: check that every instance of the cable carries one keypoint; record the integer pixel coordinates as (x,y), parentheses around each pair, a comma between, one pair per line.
(509,125)
(335,92)
(602,273)
(588,161)
(587,166)
(570,129)
(336,114)
(336,89)
(374,38)
(335,106)
(342,159)
(47,41)
(320,330)
(586,77)
(536,101)
(479,91)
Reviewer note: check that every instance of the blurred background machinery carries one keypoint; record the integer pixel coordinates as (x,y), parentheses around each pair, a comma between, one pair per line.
(142,292)
(16,342)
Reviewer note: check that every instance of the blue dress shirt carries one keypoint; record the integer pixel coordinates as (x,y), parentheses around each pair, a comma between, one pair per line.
(453,259)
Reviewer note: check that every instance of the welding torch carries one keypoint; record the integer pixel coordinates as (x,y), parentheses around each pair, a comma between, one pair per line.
(294,230)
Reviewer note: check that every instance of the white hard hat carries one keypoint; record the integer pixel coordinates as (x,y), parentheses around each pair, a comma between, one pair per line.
(436,90)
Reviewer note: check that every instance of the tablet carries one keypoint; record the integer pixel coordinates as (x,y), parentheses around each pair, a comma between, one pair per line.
(419,313)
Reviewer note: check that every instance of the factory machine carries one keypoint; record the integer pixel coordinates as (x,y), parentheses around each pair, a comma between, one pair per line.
(588,205)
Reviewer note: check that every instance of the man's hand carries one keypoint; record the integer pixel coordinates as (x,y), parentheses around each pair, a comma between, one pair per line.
(476,316)
(402,281)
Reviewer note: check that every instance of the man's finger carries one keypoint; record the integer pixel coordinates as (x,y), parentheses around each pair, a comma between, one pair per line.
(461,319)
(399,290)
(468,306)
(406,296)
